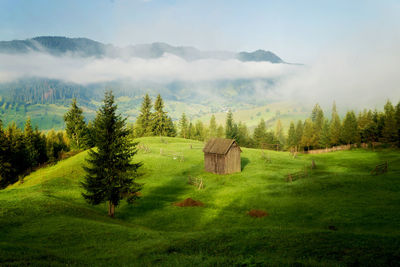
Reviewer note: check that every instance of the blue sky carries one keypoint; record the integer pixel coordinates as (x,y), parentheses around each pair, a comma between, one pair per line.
(296,30)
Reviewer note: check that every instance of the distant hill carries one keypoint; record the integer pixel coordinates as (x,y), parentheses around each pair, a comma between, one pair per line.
(56,45)
(259,55)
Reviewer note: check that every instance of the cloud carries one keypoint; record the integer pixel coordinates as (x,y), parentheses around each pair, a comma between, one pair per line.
(359,72)
(166,69)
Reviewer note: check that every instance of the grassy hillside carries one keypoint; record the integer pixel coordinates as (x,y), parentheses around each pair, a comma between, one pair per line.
(45,221)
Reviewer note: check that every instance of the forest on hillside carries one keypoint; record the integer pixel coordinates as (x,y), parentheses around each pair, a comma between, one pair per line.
(23,150)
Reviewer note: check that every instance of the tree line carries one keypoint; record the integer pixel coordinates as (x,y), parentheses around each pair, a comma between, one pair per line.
(21,150)
(317,131)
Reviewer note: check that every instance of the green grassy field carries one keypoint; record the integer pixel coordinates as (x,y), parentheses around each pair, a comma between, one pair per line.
(45,221)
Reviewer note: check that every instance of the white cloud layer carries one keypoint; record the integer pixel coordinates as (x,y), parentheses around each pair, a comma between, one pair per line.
(165,69)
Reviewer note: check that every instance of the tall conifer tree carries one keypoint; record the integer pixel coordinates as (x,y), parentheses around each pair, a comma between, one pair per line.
(144,120)
(76,127)
(259,134)
(183,125)
(350,128)
(110,175)
(335,126)
(299,133)
(291,141)
(231,126)
(29,141)
(389,131)
(213,127)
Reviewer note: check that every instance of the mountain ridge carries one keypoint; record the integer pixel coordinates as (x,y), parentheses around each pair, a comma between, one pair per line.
(85,47)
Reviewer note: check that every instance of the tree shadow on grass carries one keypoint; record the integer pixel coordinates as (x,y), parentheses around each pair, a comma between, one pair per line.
(160,196)
(243,162)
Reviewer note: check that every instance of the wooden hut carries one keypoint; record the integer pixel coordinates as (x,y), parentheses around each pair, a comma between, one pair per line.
(222,156)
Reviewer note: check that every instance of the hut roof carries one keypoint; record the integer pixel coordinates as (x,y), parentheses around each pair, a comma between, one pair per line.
(218,145)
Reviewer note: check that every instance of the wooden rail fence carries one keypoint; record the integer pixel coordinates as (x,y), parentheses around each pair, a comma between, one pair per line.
(380,168)
(174,155)
(198,182)
(296,175)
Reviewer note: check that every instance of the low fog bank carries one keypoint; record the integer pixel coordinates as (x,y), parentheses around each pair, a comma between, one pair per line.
(166,69)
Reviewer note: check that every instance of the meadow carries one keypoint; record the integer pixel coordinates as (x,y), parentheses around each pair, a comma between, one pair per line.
(338,215)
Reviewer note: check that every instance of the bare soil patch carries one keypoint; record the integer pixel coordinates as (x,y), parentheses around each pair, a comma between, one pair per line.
(189,203)
(257,213)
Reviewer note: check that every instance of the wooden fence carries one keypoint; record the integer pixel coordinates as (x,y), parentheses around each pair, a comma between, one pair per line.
(144,148)
(380,168)
(296,175)
(174,155)
(332,149)
(198,182)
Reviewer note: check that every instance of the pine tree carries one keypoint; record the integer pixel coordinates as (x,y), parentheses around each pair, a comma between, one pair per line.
(389,131)
(397,116)
(198,131)
(325,137)
(299,133)
(280,138)
(243,138)
(170,129)
(317,117)
(220,131)
(349,128)
(259,134)
(29,141)
(231,126)
(213,127)
(143,125)
(307,139)
(110,175)
(162,124)
(183,125)
(291,140)
(335,127)
(18,153)
(5,164)
(191,131)
(75,127)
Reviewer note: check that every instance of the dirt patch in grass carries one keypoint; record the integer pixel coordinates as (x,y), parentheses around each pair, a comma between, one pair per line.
(189,203)
(257,213)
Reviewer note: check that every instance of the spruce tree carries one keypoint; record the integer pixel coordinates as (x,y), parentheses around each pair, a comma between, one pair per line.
(307,139)
(29,141)
(349,128)
(317,117)
(144,120)
(5,164)
(335,127)
(213,127)
(220,131)
(110,175)
(198,131)
(183,125)
(299,133)
(389,131)
(162,123)
(325,137)
(259,134)
(231,126)
(242,138)
(75,127)
(280,138)
(291,141)
(397,116)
